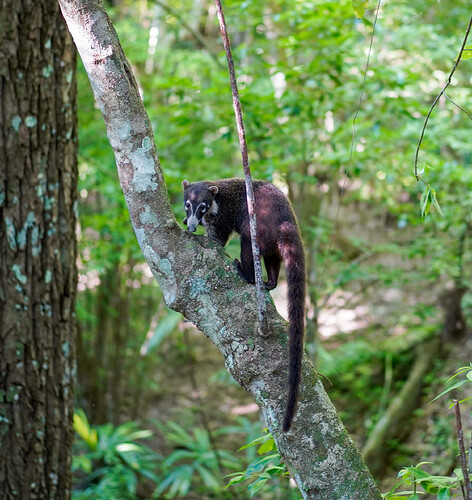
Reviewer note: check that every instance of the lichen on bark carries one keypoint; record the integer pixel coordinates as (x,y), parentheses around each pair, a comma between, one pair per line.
(38,174)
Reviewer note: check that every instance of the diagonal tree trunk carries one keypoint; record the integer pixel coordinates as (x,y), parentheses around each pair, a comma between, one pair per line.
(38,172)
(201,282)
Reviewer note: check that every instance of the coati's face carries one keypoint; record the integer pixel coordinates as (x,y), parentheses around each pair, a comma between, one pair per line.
(199,200)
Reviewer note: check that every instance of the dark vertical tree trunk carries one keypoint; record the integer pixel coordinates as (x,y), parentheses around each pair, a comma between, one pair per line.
(38,174)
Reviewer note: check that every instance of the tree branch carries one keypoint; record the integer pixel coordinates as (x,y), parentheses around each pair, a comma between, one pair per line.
(458,107)
(423,130)
(460,441)
(247,171)
(201,282)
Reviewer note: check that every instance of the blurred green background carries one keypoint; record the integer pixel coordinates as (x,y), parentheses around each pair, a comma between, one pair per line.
(388,289)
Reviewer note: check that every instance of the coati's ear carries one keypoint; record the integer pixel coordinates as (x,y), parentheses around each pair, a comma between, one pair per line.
(213,190)
(185,183)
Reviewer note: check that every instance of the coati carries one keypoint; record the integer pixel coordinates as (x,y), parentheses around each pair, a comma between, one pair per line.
(221,206)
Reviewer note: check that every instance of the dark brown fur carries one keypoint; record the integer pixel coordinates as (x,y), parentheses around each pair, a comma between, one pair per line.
(279,239)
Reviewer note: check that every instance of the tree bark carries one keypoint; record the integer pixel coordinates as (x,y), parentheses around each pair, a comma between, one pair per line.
(201,282)
(38,172)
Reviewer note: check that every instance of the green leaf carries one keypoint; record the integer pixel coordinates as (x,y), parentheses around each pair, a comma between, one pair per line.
(266,447)
(276,470)
(399,496)
(260,463)
(439,482)
(177,455)
(124,447)
(459,474)
(402,472)
(83,463)
(425,204)
(201,437)
(434,201)
(144,434)
(418,472)
(237,478)
(258,484)
(259,440)
(391,492)
(466,53)
(179,478)
(83,429)
(208,478)
(449,389)
(444,494)
(180,487)
(459,371)
(359,7)
(165,327)
(177,434)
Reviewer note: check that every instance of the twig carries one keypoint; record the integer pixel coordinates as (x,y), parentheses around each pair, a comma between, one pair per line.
(438,97)
(470,452)
(198,37)
(460,440)
(351,152)
(247,172)
(457,106)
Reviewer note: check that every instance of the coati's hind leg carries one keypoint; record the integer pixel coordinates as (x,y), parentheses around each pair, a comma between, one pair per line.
(246,266)
(272,265)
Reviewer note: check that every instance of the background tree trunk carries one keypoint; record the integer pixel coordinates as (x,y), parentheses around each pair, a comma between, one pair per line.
(38,177)
(400,408)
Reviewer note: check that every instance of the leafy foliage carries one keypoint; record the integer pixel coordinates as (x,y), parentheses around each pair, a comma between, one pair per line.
(108,462)
(440,486)
(193,457)
(464,370)
(261,470)
(300,69)
(359,7)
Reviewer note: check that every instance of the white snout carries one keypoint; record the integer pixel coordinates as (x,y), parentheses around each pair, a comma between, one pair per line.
(192,223)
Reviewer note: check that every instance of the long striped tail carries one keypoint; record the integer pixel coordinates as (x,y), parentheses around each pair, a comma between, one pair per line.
(291,249)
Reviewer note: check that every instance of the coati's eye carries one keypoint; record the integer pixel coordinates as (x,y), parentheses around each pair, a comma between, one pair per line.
(203,207)
(187,205)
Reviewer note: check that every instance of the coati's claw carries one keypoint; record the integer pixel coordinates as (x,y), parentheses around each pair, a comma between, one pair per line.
(269,285)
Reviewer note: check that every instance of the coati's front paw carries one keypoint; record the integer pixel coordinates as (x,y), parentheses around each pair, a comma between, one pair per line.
(185,220)
(240,270)
(269,285)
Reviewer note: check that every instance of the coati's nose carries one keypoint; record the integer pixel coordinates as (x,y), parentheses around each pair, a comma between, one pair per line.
(192,223)
(191,227)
